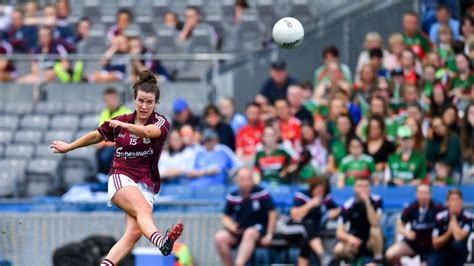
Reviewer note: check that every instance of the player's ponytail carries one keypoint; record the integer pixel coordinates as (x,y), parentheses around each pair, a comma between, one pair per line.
(146,82)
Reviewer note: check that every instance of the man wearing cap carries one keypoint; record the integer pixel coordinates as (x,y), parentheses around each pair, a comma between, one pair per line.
(405,167)
(212,164)
(182,115)
(276,86)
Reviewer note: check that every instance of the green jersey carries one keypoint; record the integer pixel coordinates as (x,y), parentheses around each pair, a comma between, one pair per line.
(418,39)
(353,168)
(270,165)
(338,150)
(464,85)
(413,168)
(391,126)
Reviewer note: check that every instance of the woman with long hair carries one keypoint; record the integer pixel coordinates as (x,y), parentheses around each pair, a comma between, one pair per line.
(134,177)
(467,140)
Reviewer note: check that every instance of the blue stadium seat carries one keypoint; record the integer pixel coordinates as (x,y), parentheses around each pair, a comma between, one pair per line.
(36,122)
(49,108)
(211,192)
(282,196)
(28,137)
(6,136)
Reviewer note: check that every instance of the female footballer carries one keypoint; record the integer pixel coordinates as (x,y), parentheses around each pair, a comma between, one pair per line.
(134,177)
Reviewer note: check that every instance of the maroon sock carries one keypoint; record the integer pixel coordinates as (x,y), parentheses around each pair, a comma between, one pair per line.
(107,262)
(157,239)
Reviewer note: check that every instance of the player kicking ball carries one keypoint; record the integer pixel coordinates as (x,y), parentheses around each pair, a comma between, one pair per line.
(134,177)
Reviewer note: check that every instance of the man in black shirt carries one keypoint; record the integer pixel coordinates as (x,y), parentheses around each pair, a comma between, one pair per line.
(249,217)
(416,225)
(309,209)
(451,232)
(277,85)
(364,237)
(295,98)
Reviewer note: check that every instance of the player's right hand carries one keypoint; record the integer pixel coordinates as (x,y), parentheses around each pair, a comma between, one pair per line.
(59,146)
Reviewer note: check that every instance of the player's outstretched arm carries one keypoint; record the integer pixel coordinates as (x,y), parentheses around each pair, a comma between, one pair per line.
(90,138)
(148,131)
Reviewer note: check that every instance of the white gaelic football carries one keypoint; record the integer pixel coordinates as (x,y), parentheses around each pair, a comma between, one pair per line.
(288,33)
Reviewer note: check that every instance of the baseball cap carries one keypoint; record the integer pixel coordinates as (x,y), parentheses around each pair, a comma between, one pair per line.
(179,105)
(404,132)
(209,134)
(278,65)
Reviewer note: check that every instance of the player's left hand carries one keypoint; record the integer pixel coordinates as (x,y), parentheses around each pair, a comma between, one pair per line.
(59,146)
(266,240)
(116,123)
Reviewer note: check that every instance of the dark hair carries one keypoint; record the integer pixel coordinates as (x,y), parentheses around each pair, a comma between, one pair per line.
(332,50)
(352,138)
(195,8)
(352,129)
(86,19)
(453,191)
(442,6)
(467,140)
(146,82)
(385,105)
(375,52)
(211,109)
(463,21)
(241,3)
(109,91)
(252,104)
(125,11)
(379,119)
(319,181)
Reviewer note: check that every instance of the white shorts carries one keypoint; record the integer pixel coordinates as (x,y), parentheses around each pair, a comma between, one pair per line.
(118,181)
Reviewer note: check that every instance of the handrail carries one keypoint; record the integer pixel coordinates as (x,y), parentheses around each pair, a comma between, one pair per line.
(163,57)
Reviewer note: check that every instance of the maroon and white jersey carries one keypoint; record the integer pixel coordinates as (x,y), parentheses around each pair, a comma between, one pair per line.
(137,157)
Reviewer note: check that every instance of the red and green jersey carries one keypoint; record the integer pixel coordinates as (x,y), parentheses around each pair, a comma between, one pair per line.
(411,169)
(356,167)
(270,165)
(416,42)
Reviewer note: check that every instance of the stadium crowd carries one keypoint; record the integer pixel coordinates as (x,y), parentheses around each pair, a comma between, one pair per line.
(405,117)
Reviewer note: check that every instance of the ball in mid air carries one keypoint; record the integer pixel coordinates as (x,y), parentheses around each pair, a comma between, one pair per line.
(288,33)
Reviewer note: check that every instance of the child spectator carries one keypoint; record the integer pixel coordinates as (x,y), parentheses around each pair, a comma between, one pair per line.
(443,175)
(356,164)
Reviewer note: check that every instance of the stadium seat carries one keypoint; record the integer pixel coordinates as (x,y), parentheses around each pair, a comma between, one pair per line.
(62,135)
(34,121)
(177,191)
(212,192)
(98,30)
(78,92)
(165,40)
(79,108)
(244,35)
(301,9)
(80,133)
(133,29)
(9,122)
(108,10)
(19,151)
(10,91)
(93,45)
(91,8)
(76,10)
(79,164)
(88,122)
(160,7)
(18,108)
(282,196)
(227,9)
(6,136)
(41,168)
(62,121)
(8,182)
(49,108)
(2,150)
(267,13)
(28,136)
(44,151)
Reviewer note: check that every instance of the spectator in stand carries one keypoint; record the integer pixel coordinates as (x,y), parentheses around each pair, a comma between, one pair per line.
(364,236)
(114,62)
(377,62)
(412,71)
(122,20)
(467,140)
(443,175)
(290,126)
(334,82)
(31,9)
(7,70)
(47,46)
(451,233)
(407,166)
(428,81)
(249,218)
(212,119)
(442,73)
(175,160)
(272,162)
(316,146)
(445,47)
(276,86)
(192,19)
(355,165)
(82,30)
(283,144)
(462,85)
(378,107)
(137,49)
(249,135)
(338,144)
(366,83)
(397,46)
(295,99)
(415,111)
(373,40)
(66,32)
(413,38)
(416,225)
(439,100)
(377,146)
(417,132)
(22,38)
(443,17)
(310,209)
(182,115)
(466,31)
(171,20)
(113,108)
(212,164)
(5,15)
(322,73)
(451,119)
(442,145)
(234,119)
(240,7)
